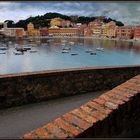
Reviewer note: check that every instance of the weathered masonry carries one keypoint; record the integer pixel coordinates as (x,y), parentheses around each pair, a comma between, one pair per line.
(18,89)
(111,114)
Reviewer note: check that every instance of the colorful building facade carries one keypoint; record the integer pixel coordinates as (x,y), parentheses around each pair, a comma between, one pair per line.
(55,31)
(43,31)
(31,31)
(137,33)
(125,32)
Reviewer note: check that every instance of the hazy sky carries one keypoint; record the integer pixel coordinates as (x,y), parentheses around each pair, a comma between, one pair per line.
(127,12)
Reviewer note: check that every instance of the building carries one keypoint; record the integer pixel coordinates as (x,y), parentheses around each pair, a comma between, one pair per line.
(56,31)
(125,32)
(43,31)
(12,32)
(97,31)
(112,29)
(56,22)
(31,31)
(88,32)
(82,29)
(137,33)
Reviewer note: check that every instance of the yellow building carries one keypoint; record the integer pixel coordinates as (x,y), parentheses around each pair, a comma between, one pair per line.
(97,31)
(32,31)
(104,30)
(112,29)
(56,22)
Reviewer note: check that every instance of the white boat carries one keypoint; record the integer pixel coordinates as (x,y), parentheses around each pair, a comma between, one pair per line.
(71,43)
(33,51)
(74,53)
(64,41)
(99,49)
(3,48)
(2,52)
(65,51)
(18,53)
(67,48)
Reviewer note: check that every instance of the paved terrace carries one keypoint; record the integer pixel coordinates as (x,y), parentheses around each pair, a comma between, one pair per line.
(15,122)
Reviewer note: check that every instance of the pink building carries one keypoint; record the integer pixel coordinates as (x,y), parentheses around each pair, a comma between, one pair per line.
(43,31)
(125,32)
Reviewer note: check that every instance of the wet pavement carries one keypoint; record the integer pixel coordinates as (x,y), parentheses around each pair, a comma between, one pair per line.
(14,122)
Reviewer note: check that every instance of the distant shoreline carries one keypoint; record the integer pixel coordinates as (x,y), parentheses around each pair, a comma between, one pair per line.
(100,38)
(64,37)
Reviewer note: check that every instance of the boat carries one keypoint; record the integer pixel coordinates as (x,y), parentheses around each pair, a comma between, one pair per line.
(74,53)
(3,48)
(63,44)
(100,49)
(18,53)
(67,48)
(93,53)
(33,51)
(71,43)
(20,49)
(64,41)
(65,51)
(88,51)
(2,52)
(27,48)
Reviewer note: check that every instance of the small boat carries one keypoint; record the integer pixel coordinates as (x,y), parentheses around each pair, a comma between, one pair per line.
(33,51)
(88,51)
(27,48)
(93,53)
(3,48)
(63,44)
(71,43)
(100,49)
(64,41)
(20,49)
(18,53)
(67,48)
(65,51)
(2,52)
(74,54)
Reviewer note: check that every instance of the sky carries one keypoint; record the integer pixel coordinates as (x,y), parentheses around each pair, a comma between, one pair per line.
(127,12)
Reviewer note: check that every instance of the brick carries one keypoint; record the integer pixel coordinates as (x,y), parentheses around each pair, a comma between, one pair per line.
(107,98)
(118,96)
(84,116)
(111,105)
(100,101)
(55,130)
(76,121)
(96,114)
(42,133)
(117,91)
(67,127)
(99,107)
(132,87)
(29,136)
(126,90)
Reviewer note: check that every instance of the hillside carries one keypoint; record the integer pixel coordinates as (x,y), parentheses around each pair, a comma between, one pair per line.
(44,20)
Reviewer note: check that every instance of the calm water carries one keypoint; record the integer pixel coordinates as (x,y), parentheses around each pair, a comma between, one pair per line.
(49,54)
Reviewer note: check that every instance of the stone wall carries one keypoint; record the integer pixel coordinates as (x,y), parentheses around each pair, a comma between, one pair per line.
(18,89)
(112,114)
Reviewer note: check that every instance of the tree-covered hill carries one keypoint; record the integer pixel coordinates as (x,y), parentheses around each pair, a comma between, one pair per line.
(44,20)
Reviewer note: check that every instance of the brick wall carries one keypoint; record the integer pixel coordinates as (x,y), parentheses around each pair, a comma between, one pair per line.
(18,89)
(111,114)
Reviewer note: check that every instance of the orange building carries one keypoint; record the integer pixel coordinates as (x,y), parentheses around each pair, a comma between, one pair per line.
(88,32)
(125,32)
(19,33)
(32,31)
(137,33)
(55,31)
